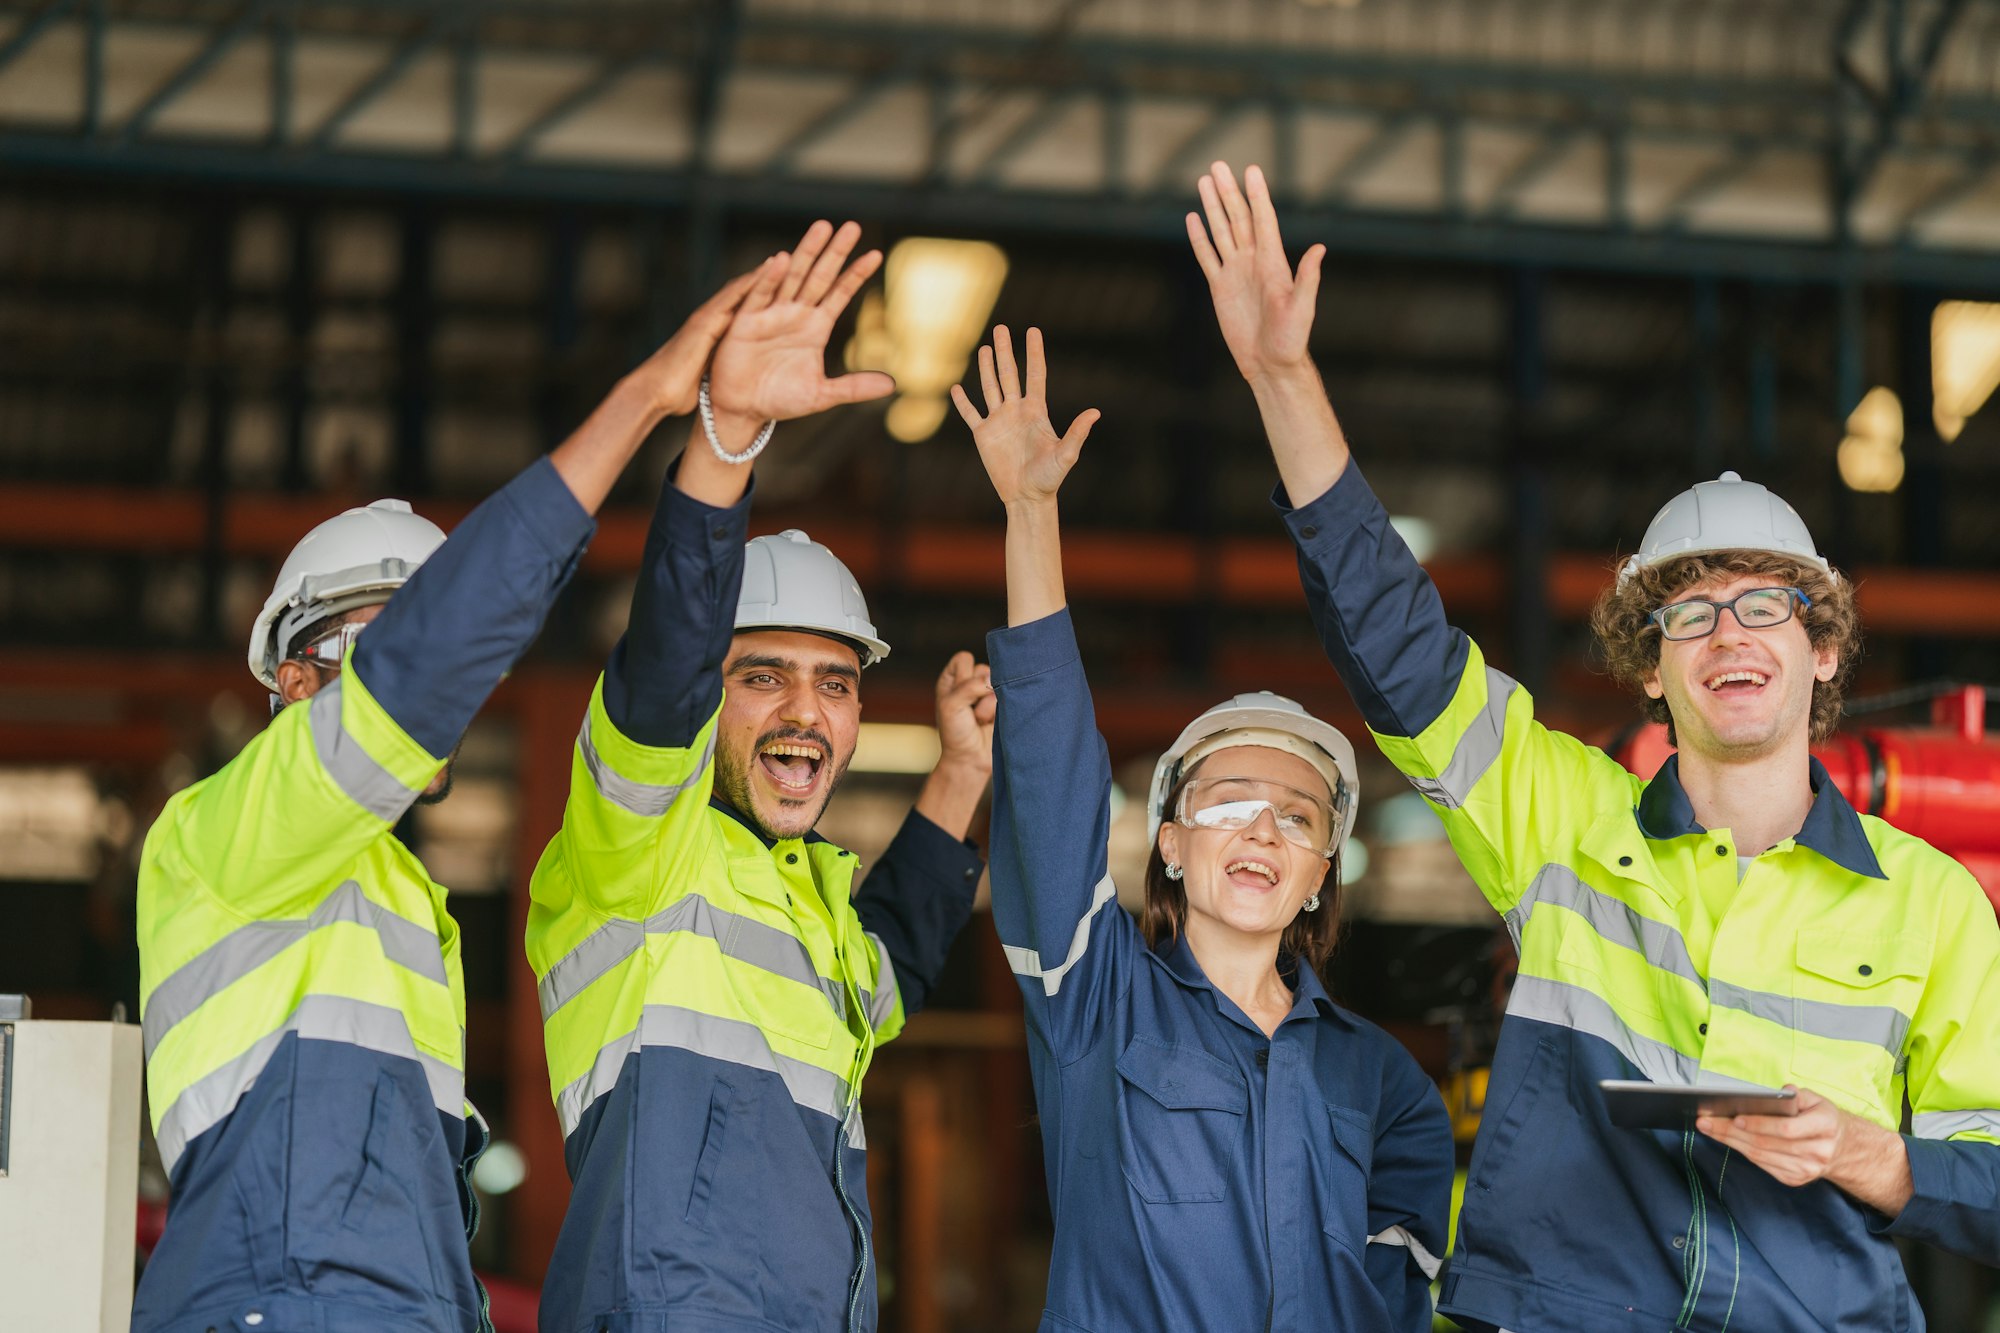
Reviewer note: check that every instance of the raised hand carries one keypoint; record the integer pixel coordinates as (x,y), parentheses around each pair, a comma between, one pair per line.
(1266,311)
(965,707)
(1024,456)
(771,365)
(671,376)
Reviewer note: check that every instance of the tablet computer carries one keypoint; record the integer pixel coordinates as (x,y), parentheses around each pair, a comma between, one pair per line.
(1635,1104)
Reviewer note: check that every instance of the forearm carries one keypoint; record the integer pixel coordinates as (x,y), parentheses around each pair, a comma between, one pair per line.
(1872,1166)
(1305,436)
(706,477)
(597,452)
(1034,561)
(950,796)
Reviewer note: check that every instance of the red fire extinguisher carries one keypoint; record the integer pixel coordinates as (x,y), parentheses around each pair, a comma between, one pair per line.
(1940,782)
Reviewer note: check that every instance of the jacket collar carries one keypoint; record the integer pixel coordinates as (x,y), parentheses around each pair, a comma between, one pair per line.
(717,803)
(1831,827)
(1309,995)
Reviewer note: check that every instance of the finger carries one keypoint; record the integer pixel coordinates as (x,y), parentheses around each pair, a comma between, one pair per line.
(1234,207)
(986,709)
(1218,217)
(765,288)
(954,671)
(711,318)
(1079,431)
(1003,359)
(861,387)
(967,413)
(1263,214)
(1204,253)
(803,258)
(1038,369)
(827,267)
(850,282)
(1305,287)
(989,381)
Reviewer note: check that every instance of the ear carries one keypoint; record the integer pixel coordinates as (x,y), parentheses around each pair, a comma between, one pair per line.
(1319,880)
(1826,662)
(298,680)
(1651,684)
(1170,842)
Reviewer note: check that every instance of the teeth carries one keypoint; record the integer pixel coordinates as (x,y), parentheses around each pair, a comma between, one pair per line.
(1257,866)
(1754,677)
(793,749)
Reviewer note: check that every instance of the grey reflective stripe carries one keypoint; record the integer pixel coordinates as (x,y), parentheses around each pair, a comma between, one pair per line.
(355,771)
(1583,1011)
(727,1039)
(765,947)
(883,1002)
(204,1103)
(1614,921)
(1477,750)
(1398,1235)
(245,949)
(1875,1024)
(1944,1124)
(1028,962)
(648,800)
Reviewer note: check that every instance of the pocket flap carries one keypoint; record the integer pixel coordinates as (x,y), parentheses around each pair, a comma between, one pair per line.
(1861,958)
(1183,1078)
(1354,1131)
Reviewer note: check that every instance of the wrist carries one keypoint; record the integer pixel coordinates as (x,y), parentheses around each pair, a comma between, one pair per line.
(644,397)
(1279,380)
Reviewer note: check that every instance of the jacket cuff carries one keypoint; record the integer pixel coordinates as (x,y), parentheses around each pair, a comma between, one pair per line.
(684,523)
(1019,652)
(547,510)
(1350,503)
(923,845)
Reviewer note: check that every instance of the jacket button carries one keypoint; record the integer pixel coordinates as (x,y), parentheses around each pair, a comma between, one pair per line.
(972,872)
(1721,850)
(1624,860)
(719,532)
(1867,971)
(254,1318)
(1263,1057)
(791,858)
(1680,1242)
(1704,1029)
(1309,532)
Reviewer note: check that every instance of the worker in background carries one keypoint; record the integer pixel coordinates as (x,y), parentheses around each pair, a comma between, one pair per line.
(1732,920)
(1226,1148)
(712,985)
(304,1005)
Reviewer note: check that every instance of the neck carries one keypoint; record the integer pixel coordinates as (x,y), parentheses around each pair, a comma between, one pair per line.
(1243,967)
(1761,801)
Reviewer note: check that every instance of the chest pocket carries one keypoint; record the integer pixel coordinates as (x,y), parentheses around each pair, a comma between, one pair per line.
(1181,1119)
(1853,992)
(1345,1157)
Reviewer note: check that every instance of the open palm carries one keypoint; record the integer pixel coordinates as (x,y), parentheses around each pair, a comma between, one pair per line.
(771,365)
(1266,312)
(1024,456)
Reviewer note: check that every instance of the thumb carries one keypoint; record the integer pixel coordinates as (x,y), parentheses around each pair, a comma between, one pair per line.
(860,387)
(1306,285)
(1079,431)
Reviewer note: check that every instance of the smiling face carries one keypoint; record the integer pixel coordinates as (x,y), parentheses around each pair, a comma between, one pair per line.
(1250,880)
(1741,693)
(791,712)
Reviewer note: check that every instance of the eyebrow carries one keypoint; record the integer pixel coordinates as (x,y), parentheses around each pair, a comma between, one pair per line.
(773,662)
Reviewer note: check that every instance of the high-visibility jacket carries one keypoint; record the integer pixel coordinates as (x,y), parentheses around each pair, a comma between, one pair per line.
(303,1003)
(1202,1175)
(711,1001)
(1852,959)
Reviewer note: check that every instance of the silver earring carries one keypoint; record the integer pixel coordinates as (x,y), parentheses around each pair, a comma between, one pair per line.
(1173,870)
(1312,903)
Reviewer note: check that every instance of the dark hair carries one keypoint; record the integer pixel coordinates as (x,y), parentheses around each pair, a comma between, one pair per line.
(1310,937)
(1631,641)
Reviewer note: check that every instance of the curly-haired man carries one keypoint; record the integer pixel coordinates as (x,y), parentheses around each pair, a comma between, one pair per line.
(1730,921)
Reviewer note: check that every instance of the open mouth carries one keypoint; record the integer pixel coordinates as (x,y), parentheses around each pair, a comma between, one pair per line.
(792,765)
(1250,873)
(1736,682)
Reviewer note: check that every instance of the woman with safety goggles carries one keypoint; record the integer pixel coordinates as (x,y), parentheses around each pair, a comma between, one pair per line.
(1226,1148)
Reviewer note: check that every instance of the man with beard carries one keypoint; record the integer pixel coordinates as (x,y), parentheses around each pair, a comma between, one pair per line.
(712,987)
(304,1004)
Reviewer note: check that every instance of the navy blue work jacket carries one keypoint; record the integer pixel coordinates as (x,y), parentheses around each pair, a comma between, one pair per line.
(1202,1175)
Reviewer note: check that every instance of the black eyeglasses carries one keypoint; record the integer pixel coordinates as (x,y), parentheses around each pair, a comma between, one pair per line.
(1758,608)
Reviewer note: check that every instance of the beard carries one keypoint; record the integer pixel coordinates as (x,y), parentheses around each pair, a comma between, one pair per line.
(732,783)
(441,784)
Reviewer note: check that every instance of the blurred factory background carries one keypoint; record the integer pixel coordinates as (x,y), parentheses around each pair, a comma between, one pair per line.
(263,259)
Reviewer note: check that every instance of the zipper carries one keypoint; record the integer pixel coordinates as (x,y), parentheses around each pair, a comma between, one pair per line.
(860,1274)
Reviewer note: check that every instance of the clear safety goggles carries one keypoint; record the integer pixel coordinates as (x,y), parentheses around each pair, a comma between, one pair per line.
(330,649)
(1303,819)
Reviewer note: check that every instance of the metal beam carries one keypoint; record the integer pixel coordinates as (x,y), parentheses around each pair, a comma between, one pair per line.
(817,128)
(1389,134)
(1054,106)
(221,44)
(1707,183)
(1183,161)
(1960,187)
(24,36)
(375,85)
(593,86)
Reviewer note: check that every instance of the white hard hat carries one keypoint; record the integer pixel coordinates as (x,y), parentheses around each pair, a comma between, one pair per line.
(1269,720)
(356,558)
(1727,514)
(790,581)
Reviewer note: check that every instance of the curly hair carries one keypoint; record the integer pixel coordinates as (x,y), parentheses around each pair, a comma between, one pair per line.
(1631,642)
(1310,937)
